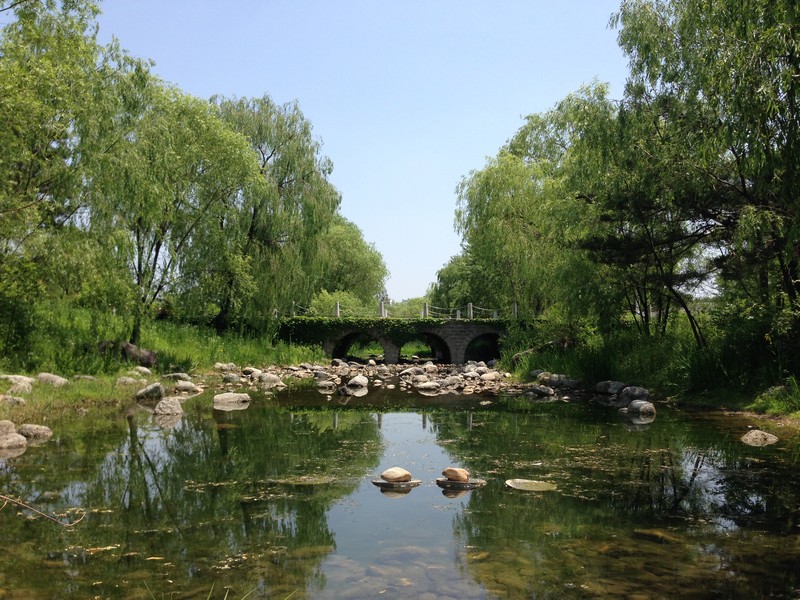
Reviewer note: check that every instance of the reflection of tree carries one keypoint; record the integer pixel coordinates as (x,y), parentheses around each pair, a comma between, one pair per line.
(629,503)
(235,500)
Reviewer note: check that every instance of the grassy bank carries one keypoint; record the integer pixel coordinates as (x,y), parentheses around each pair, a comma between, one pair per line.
(672,367)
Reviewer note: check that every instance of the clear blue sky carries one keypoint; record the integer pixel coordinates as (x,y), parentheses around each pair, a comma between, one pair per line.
(407,97)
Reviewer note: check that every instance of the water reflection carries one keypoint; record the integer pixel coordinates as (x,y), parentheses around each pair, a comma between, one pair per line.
(278,499)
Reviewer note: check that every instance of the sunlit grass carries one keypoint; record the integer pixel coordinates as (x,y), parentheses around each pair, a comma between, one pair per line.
(782,400)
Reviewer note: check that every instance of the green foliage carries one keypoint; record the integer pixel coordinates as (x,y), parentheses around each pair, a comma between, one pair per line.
(191,348)
(350,305)
(782,400)
(411,308)
(351,264)
(313,329)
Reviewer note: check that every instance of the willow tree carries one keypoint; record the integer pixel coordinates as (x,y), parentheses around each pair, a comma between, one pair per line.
(272,228)
(520,219)
(48,80)
(350,263)
(168,177)
(738,65)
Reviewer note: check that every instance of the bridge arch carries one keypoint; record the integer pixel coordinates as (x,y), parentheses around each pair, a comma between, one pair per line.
(452,341)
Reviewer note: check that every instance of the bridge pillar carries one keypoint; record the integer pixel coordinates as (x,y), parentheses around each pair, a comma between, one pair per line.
(391,352)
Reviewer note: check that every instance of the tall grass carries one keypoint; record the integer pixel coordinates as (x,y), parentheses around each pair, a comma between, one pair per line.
(66,341)
(190,348)
(783,399)
(669,365)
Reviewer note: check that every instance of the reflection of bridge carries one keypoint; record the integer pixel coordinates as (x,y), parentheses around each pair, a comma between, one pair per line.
(452,341)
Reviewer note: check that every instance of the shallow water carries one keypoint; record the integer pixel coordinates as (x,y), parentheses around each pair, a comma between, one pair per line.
(277,501)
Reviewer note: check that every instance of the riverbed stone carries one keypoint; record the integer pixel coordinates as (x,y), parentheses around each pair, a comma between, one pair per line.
(11,441)
(187,387)
(125,381)
(358,381)
(12,400)
(177,376)
(631,393)
(169,406)
(540,391)
(610,387)
(7,427)
(231,401)
(641,407)
(225,366)
(231,378)
(396,474)
(756,437)
(37,433)
(270,380)
(456,474)
(52,379)
(154,391)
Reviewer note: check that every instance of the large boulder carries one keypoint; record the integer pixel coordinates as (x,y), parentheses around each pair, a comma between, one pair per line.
(7,427)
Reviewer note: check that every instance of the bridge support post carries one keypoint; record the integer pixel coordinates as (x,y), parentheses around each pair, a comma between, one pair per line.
(469,310)
(425,310)
(337,311)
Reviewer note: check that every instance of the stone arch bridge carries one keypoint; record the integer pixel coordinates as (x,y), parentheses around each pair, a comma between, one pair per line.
(450,340)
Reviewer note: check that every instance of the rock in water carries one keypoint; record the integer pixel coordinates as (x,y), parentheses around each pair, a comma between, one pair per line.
(396,474)
(456,474)
(756,437)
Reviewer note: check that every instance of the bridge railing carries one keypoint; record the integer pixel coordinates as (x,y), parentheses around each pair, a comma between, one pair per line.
(468,312)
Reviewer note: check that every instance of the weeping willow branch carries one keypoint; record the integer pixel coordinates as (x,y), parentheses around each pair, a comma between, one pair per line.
(7,499)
